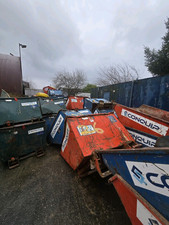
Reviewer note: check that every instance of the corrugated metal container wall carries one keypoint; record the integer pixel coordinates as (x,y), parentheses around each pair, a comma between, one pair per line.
(10,74)
(150,91)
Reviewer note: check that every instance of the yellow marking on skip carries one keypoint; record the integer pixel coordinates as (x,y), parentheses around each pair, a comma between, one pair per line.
(98,130)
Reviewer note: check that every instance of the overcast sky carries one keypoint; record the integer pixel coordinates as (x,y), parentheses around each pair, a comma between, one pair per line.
(80,34)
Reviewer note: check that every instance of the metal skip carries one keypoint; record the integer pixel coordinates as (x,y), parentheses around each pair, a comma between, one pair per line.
(97,104)
(22,130)
(58,128)
(48,106)
(86,134)
(19,110)
(50,109)
(22,140)
(75,103)
(138,209)
(145,123)
(146,170)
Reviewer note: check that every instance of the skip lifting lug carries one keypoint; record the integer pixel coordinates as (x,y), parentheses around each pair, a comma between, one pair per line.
(97,162)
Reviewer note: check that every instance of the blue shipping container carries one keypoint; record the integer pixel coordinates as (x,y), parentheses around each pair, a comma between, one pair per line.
(152,91)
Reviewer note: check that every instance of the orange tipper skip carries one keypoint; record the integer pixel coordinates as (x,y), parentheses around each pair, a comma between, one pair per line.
(75,102)
(85,134)
(145,123)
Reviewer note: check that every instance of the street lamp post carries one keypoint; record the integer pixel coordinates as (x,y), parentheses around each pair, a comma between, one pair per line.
(21,46)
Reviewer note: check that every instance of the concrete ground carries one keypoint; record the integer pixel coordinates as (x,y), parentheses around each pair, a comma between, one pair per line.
(47,191)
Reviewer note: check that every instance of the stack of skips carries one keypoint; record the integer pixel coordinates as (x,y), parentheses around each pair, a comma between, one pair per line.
(122,142)
(24,127)
(131,145)
(22,130)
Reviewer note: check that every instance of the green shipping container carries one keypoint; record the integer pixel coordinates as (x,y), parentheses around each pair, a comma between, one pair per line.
(17,110)
(22,139)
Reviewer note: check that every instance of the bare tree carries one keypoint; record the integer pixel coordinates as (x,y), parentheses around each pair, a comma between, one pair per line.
(69,82)
(117,74)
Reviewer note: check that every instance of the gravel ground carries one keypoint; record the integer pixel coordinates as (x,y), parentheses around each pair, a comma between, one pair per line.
(47,191)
